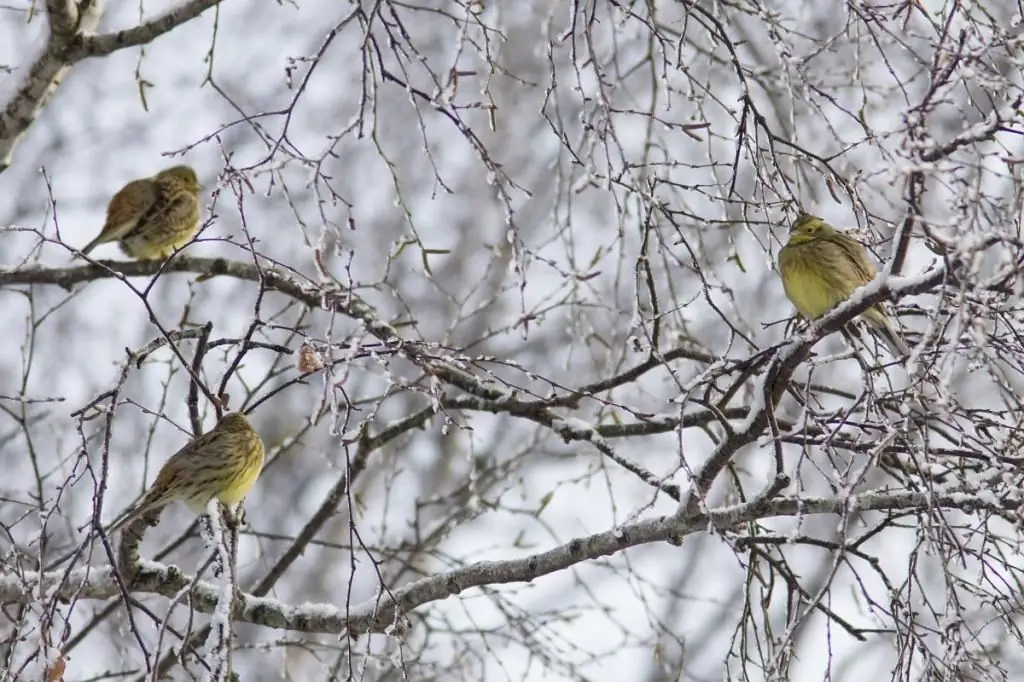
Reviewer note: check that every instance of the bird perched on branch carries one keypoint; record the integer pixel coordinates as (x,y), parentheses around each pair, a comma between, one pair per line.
(223,463)
(821,267)
(151,217)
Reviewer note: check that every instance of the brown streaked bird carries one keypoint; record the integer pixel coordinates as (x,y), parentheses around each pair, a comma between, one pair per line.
(223,463)
(151,217)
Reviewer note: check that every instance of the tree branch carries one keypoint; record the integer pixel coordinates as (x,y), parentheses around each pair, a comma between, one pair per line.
(104,44)
(383,613)
(68,44)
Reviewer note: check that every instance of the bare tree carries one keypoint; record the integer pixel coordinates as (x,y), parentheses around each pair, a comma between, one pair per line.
(495,282)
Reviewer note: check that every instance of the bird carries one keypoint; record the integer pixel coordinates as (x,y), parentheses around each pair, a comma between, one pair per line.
(151,217)
(223,463)
(821,267)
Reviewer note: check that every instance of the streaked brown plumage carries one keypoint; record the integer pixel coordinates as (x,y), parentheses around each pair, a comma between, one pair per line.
(223,463)
(151,217)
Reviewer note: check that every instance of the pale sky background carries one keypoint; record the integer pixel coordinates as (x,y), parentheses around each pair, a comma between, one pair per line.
(413,176)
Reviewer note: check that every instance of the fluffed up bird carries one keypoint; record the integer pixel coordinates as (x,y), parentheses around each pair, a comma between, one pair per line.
(821,267)
(223,463)
(151,217)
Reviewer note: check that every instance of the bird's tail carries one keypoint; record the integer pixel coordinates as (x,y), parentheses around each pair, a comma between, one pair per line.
(147,504)
(884,332)
(92,245)
(896,345)
(119,522)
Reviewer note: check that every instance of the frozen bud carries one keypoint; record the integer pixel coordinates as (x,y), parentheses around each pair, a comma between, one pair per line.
(309,358)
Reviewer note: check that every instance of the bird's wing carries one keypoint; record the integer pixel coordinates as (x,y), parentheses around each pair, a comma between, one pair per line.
(123,212)
(182,207)
(858,255)
(172,209)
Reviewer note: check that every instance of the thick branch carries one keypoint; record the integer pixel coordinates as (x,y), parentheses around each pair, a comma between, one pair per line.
(46,73)
(383,613)
(102,45)
(69,43)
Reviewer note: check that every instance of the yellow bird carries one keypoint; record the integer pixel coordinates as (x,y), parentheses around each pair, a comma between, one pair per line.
(223,463)
(821,267)
(151,217)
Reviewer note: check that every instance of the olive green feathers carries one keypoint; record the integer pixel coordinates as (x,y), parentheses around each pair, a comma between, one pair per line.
(821,267)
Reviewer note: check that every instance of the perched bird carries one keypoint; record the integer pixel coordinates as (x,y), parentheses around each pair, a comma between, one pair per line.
(151,217)
(223,463)
(821,267)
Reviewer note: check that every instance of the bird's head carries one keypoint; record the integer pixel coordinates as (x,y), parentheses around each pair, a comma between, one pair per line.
(234,421)
(807,227)
(181,175)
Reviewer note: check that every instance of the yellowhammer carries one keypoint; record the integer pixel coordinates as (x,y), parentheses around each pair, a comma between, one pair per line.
(151,217)
(822,267)
(223,463)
